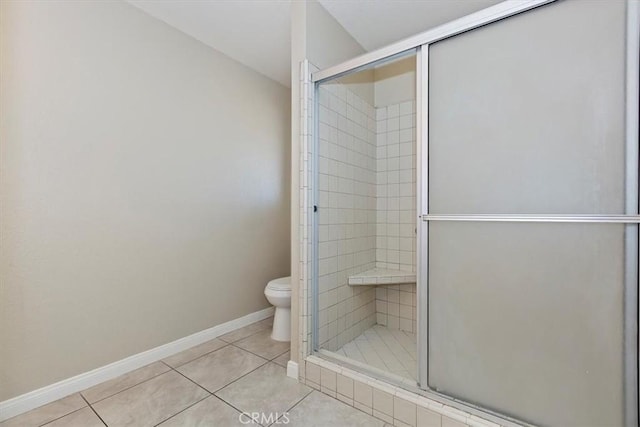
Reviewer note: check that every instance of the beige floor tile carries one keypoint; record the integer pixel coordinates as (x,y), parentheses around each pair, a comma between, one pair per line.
(266,390)
(47,413)
(209,412)
(219,368)
(244,332)
(84,417)
(123,382)
(262,345)
(320,410)
(194,352)
(282,360)
(150,402)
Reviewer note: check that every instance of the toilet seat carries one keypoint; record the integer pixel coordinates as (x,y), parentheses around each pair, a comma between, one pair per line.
(280,284)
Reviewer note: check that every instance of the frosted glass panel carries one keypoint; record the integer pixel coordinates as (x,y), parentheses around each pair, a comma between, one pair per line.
(527,319)
(526,115)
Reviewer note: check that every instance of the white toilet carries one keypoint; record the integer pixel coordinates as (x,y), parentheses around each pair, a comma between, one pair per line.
(278,293)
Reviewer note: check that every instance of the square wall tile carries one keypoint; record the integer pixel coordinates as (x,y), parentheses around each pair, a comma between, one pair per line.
(363,393)
(383,402)
(404,411)
(428,418)
(312,372)
(366,409)
(383,416)
(328,379)
(344,386)
(319,410)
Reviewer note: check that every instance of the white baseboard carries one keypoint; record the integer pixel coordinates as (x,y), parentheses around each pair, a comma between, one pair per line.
(292,369)
(23,403)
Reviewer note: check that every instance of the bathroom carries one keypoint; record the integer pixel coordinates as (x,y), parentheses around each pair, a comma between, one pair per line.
(319,212)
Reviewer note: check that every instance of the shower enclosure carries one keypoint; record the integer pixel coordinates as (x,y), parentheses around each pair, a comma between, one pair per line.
(366,219)
(476,236)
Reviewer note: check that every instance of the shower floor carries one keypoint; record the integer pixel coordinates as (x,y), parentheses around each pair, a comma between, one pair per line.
(391,350)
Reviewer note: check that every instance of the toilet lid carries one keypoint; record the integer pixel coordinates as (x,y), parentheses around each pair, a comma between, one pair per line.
(280,284)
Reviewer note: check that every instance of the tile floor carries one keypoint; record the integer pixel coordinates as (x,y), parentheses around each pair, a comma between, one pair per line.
(391,350)
(211,384)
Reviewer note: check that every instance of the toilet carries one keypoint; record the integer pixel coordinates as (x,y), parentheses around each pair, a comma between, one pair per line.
(278,293)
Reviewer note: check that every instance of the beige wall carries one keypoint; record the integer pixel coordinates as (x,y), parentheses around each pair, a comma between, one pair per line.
(144,188)
(328,43)
(361,84)
(395,82)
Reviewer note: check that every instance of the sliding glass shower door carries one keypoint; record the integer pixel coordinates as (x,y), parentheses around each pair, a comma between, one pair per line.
(529,217)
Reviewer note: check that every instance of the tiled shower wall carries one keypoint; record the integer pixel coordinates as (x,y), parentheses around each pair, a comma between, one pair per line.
(396,186)
(396,307)
(346,215)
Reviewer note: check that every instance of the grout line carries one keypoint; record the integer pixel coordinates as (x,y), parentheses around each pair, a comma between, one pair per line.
(189,361)
(195,383)
(224,386)
(279,355)
(94,411)
(240,377)
(127,388)
(229,403)
(199,386)
(243,338)
(395,344)
(231,382)
(287,411)
(373,353)
(226,343)
(50,421)
(155,376)
(179,412)
(256,354)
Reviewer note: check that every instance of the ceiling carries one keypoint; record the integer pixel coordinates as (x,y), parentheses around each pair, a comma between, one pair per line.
(256,33)
(377,23)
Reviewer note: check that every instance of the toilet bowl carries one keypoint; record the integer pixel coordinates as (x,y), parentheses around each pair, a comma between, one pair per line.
(278,293)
